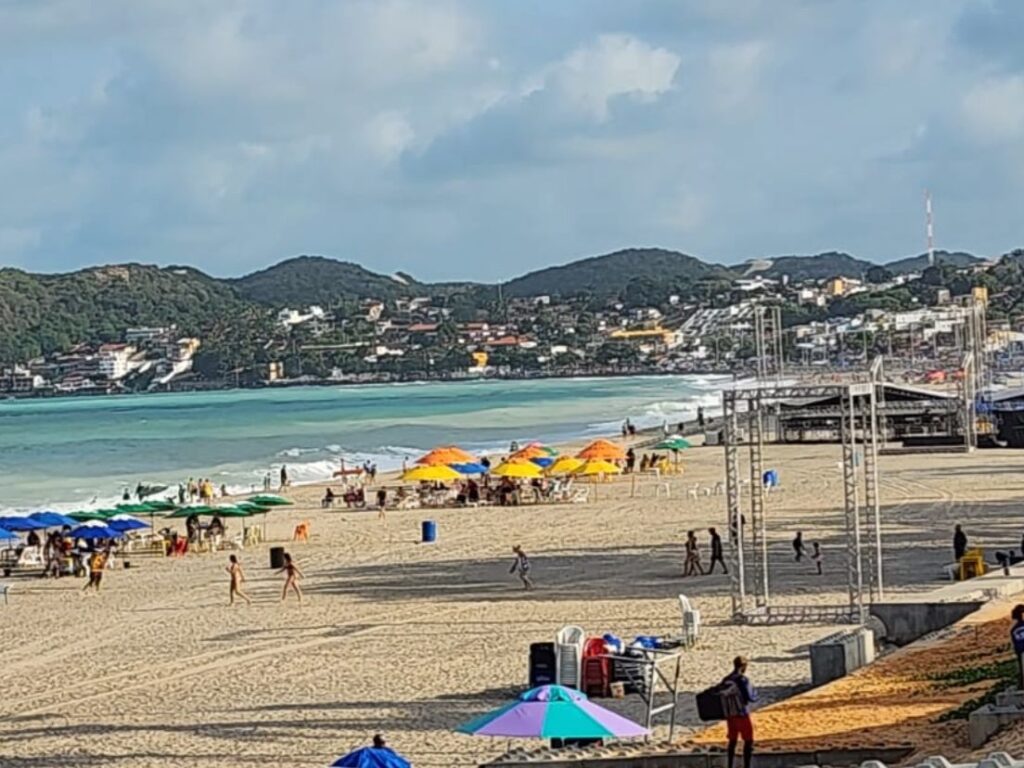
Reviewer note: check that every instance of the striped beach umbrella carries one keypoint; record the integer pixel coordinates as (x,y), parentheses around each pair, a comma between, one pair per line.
(553,712)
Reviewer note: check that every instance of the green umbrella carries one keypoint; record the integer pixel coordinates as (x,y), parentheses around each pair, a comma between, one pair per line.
(673,443)
(269,500)
(195,509)
(254,509)
(93,514)
(160,505)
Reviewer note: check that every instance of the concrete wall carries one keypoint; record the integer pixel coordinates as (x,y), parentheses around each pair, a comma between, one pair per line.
(906,622)
(829,757)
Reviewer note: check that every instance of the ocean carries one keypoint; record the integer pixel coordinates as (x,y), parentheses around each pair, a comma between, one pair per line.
(67,453)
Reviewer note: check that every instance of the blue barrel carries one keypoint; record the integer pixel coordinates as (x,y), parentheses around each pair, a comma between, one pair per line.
(429,532)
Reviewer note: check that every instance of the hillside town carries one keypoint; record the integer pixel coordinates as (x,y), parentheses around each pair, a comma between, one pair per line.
(838,321)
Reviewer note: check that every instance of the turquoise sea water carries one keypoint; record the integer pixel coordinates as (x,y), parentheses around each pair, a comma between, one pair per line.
(64,452)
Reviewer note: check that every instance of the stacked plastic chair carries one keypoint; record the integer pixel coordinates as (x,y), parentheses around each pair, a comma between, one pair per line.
(569,655)
(691,621)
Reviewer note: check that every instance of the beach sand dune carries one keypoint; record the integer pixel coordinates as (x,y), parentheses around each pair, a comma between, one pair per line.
(411,639)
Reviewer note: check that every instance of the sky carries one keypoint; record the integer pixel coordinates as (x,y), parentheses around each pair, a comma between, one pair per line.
(480,140)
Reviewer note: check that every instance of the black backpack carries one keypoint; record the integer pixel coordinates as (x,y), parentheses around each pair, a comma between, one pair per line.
(720,701)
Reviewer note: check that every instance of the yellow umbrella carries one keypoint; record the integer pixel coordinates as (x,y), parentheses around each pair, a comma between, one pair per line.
(525,469)
(431,473)
(565,465)
(598,467)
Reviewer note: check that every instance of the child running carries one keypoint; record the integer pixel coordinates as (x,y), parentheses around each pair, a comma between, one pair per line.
(521,567)
(293,574)
(97,563)
(234,569)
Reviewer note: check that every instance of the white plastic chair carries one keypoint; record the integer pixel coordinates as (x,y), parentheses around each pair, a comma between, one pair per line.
(569,656)
(691,621)
(30,556)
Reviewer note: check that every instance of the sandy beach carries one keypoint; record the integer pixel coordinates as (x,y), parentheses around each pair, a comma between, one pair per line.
(411,639)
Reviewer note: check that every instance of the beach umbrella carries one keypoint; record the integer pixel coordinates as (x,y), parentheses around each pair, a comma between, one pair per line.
(6,535)
(92,514)
(372,757)
(597,467)
(251,508)
(533,451)
(160,505)
(53,519)
(94,529)
(125,523)
(469,468)
(673,443)
(446,454)
(270,500)
(193,509)
(229,511)
(519,469)
(565,465)
(543,461)
(553,712)
(431,473)
(602,449)
(21,523)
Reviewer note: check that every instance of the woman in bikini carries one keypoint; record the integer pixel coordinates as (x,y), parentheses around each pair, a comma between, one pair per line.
(234,569)
(292,576)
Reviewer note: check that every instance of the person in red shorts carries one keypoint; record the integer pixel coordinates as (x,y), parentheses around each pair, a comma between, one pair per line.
(740,726)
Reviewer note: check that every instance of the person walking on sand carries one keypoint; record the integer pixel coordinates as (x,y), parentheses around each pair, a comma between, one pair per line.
(234,570)
(284,477)
(716,551)
(382,503)
(692,566)
(292,576)
(816,556)
(521,567)
(798,546)
(959,543)
(740,725)
(97,562)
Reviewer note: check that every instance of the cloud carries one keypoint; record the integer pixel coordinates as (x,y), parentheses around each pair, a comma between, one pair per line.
(592,76)
(563,111)
(470,140)
(994,109)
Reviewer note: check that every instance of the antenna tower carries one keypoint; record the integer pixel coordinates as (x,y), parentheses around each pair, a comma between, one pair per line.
(930,227)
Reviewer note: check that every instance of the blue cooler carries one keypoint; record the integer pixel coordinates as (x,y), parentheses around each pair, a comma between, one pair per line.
(429,532)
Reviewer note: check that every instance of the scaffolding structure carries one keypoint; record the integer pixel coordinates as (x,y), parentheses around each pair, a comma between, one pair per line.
(750,573)
(768,342)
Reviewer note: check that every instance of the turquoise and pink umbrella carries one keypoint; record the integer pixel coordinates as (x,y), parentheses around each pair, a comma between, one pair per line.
(553,712)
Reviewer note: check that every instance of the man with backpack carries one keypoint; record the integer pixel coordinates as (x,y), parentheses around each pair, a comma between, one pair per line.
(738,723)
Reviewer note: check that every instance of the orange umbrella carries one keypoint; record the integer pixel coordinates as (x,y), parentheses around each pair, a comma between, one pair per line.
(447,454)
(532,451)
(603,450)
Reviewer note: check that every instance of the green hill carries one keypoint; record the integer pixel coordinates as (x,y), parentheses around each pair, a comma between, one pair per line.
(48,313)
(306,280)
(607,276)
(957,259)
(820,266)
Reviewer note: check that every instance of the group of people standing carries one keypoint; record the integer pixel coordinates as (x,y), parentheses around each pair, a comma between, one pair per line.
(200,490)
(692,564)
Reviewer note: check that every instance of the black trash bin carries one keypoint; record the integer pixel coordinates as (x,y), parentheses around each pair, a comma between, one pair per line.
(277,557)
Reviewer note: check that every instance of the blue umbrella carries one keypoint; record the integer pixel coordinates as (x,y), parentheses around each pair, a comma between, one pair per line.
(543,461)
(96,532)
(371,757)
(125,523)
(469,468)
(53,519)
(20,523)
(5,534)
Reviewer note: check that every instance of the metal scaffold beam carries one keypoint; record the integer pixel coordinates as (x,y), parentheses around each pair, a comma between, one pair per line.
(731,439)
